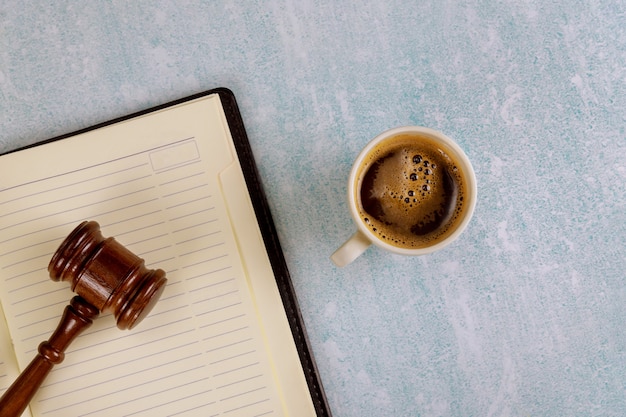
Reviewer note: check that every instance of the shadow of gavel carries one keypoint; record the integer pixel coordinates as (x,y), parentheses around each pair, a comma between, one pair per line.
(107,278)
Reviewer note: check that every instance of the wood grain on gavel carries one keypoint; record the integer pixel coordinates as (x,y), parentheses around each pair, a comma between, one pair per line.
(107,278)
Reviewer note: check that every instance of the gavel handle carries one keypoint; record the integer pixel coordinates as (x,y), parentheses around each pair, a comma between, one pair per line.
(77,317)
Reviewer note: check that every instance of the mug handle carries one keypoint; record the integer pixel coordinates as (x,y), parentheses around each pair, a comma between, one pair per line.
(351,249)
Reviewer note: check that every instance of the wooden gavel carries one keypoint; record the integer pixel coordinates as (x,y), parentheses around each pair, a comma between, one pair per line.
(107,278)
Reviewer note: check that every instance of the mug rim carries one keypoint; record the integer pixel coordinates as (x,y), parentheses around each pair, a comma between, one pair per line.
(467,168)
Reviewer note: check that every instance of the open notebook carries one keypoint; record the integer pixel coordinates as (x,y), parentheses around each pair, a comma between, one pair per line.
(177,185)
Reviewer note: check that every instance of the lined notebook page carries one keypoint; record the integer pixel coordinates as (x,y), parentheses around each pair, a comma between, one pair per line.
(8,364)
(154,184)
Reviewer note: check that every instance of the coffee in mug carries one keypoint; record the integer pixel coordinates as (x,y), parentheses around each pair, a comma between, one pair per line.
(412,190)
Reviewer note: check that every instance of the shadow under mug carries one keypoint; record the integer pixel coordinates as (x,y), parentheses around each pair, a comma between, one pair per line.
(364,235)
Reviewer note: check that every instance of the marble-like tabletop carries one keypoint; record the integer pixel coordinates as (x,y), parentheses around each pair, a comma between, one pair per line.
(523,315)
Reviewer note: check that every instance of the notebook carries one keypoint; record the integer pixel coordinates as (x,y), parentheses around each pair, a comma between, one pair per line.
(177,185)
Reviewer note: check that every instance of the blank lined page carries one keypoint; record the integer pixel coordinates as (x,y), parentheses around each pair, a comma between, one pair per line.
(201,352)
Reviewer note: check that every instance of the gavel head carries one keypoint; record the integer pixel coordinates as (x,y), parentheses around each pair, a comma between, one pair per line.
(107,275)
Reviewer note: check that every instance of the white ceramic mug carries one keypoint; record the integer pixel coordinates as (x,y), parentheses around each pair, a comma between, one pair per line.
(365,234)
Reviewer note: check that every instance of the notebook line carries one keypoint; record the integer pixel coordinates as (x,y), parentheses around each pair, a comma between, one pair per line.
(192,214)
(186,190)
(215,297)
(148,239)
(82,194)
(226,281)
(206,261)
(246,406)
(43,307)
(184,203)
(125,349)
(74,209)
(238,356)
(112,393)
(236,369)
(196,174)
(119,209)
(29,285)
(138,332)
(184,165)
(179,400)
(195,226)
(128,219)
(38,295)
(185,411)
(229,345)
(226,333)
(21,261)
(121,364)
(120,377)
(47,190)
(240,381)
(56,239)
(198,237)
(240,394)
(222,321)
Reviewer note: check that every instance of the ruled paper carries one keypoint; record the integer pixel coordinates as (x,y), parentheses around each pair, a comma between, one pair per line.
(8,363)
(201,352)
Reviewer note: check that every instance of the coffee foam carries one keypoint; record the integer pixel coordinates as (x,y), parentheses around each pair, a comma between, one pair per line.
(411,191)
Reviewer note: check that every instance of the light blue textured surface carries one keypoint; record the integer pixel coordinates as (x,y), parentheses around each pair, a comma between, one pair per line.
(523,315)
